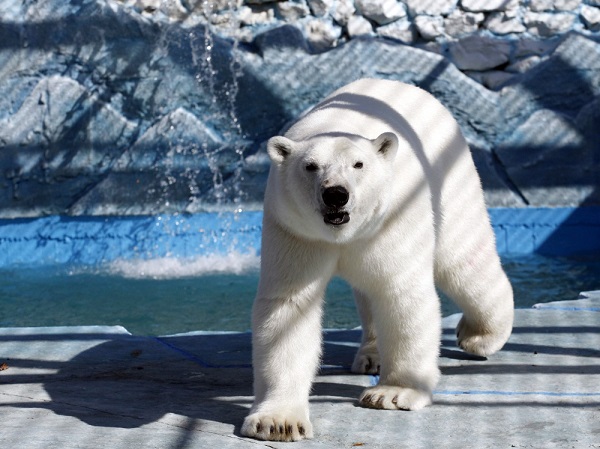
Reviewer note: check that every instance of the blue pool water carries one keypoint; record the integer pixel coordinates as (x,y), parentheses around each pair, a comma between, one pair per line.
(168,296)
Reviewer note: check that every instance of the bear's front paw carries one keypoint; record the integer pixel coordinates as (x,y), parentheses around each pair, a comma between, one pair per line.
(389,397)
(277,427)
(480,341)
(366,361)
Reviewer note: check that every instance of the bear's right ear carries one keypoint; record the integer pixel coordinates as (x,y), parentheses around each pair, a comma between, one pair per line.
(386,145)
(279,148)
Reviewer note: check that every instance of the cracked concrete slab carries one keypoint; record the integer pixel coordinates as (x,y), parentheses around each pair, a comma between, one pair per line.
(99,385)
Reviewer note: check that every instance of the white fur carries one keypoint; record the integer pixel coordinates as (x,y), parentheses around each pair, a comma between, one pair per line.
(417,219)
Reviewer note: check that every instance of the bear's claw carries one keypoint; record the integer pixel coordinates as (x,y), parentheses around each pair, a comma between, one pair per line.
(276,427)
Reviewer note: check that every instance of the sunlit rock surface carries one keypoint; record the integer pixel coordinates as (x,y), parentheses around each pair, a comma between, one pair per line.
(124,108)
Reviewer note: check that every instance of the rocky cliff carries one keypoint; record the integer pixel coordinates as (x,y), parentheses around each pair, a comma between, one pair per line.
(145,106)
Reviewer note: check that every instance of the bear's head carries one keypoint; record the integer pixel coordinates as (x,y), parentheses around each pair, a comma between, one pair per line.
(331,187)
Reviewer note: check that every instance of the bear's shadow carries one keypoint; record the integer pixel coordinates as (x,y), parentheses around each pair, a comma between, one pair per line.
(131,382)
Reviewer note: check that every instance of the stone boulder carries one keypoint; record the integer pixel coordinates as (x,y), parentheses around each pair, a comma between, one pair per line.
(479,52)
(550,161)
(106,108)
(61,141)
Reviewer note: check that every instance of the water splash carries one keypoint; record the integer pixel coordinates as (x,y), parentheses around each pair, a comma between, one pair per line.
(222,155)
(175,268)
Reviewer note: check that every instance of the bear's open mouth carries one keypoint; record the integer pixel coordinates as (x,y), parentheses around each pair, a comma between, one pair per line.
(336,218)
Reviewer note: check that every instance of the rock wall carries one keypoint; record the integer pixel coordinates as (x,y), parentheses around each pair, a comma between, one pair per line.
(148,106)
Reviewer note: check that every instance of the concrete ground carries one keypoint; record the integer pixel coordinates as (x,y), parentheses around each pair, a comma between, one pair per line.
(90,387)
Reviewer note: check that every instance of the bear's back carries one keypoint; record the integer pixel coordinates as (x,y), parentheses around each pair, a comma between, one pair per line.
(370,107)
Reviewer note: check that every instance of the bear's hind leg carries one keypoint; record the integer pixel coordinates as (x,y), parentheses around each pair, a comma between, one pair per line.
(478,285)
(408,324)
(366,360)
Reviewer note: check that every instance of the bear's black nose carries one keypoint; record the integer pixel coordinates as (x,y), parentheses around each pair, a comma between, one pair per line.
(336,196)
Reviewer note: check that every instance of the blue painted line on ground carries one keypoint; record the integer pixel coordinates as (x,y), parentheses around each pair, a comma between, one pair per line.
(186,354)
(569,309)
(196,359)
(515,393)
(375,379)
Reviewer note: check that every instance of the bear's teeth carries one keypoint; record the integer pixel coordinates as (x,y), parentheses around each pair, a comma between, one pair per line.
(337,218)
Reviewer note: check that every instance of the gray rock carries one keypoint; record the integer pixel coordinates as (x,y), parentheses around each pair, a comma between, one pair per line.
(42,114)
(566,5)
(429,27)
(478,52)
(175,136)
(548,24)
(248,16)
(58,144)
(176,163)
(488,5)
(119,112)
(554,5)
(523,65)
(432,8)
(587,122)
(343,10)
(492,79)
(497,186)
(293,74)
(381,11)
(563,87)
(292,11)
(359,26)
(476,108)
(546,157)
(320,8)
(175,9)
(591,17)
(460,23)
(564,83)
(534,46)
(147,6)
(281,39)
(322,34)
(402,30)
(541,5)
(504,23)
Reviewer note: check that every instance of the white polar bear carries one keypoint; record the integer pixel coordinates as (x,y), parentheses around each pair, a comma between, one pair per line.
(376,184)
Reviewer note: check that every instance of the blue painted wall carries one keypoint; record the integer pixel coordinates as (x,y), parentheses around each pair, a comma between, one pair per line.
(95,240)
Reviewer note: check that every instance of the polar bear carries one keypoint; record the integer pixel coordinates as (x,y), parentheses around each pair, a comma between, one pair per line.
(375,184)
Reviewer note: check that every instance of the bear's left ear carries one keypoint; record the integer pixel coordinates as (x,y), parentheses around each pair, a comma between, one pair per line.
(386,145)
(279,148)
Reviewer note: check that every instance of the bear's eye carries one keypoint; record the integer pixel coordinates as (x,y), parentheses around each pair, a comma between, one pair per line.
(312,167)
(358,165)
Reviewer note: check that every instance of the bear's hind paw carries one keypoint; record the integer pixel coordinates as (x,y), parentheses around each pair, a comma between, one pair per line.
(366,361)
(474,341)
(389,397)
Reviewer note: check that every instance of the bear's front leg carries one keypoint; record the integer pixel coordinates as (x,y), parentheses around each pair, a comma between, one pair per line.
(286,346)
(286,333)
(408,326)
